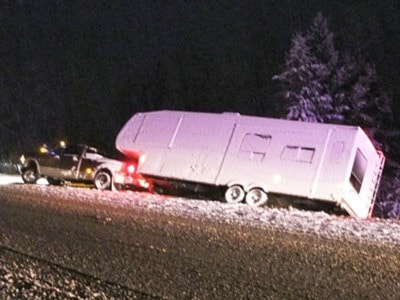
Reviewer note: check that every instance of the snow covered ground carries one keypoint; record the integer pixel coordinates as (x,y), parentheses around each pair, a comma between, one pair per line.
(8,179)
(368,235)
(320,223)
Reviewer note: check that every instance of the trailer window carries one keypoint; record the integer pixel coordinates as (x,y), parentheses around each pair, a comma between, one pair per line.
(299,154)
(358,170)
(254,146)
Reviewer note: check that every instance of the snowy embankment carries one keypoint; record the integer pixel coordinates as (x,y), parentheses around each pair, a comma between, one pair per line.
(8,179)
(291,220)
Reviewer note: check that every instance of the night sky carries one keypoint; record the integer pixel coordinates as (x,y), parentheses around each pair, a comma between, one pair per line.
(77,70)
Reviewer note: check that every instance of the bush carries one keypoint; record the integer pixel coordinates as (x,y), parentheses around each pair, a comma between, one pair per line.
(9,168)
(388,198)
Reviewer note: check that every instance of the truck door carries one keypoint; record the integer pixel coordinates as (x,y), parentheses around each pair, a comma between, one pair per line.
(49,163)
(69,161)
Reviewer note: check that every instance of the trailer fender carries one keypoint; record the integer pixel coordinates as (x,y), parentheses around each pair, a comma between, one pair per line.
(250,186)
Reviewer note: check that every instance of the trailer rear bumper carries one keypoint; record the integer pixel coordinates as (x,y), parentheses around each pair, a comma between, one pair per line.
(354,205)
(135,181)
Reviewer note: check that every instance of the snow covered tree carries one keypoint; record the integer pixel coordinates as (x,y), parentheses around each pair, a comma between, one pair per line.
(306,94)
(321,41)
(307,73)
(356,86)
(322,85)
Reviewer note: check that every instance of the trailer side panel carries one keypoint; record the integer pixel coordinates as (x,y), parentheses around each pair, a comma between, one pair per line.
(323,162)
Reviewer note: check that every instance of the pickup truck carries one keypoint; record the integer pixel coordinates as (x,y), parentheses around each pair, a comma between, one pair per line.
(81,163)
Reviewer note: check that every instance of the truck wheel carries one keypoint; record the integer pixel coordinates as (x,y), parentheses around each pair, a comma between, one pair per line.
(234,194)
(102,180)
(29,175)
(256,197)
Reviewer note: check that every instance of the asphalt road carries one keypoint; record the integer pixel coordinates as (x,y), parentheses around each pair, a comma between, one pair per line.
(155,255)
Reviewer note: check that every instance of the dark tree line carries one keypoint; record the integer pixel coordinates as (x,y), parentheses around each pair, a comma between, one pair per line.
(78,70)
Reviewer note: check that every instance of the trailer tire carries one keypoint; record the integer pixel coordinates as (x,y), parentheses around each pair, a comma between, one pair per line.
(234,194)
(256,197)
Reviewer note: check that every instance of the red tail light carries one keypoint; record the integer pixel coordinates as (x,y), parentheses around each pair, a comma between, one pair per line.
(129,168)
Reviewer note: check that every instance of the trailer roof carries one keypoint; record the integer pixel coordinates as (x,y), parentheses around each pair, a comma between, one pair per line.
(255,120)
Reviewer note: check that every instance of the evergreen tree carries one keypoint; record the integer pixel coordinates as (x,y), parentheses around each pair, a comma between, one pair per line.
(321,41)
(322,85)
(356,87)
(307,74)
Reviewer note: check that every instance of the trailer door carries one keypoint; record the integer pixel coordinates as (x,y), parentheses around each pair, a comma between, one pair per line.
(183,145)
(198,148)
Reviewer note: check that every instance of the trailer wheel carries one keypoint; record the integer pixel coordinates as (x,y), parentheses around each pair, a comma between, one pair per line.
(256,197)
(234,194)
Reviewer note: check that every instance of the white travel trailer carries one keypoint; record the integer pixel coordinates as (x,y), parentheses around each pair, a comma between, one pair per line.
(252,157)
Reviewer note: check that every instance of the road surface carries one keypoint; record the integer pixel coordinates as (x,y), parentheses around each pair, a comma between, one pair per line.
(125,249)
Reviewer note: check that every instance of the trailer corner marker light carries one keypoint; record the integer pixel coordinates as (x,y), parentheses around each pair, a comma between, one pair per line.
(276,179)
(142,159)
